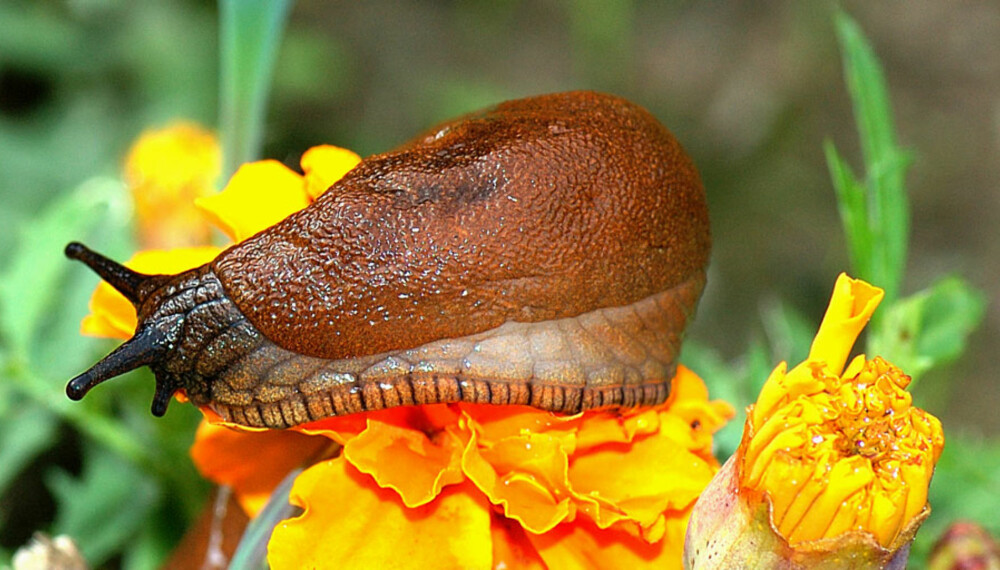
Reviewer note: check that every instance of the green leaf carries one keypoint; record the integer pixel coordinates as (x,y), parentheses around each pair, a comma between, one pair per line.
(885,211)
(29,285)
(106,506)
(965,486)
(789,333)
(853,211)
(929,328)
(24,433)
(250,32)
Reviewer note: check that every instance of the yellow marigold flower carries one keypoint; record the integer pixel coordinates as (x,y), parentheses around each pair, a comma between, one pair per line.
(263,193)
(455,486)
(478,486)
(258,195)
(835,461)
(166,170)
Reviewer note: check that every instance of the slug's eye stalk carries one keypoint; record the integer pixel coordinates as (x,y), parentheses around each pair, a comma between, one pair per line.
(149,345)
(127,282)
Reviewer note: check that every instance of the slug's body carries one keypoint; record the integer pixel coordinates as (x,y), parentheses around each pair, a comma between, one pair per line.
(545,252)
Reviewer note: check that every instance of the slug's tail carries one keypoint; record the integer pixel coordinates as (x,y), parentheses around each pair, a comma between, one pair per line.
(148,344)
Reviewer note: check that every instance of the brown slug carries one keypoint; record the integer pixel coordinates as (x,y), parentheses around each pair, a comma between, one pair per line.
(547,251)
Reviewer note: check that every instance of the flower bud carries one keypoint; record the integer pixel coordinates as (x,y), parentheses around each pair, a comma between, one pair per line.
(834,464)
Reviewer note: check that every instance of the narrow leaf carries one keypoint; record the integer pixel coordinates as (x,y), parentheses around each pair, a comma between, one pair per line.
(250,32)
(888,215)
(853,212)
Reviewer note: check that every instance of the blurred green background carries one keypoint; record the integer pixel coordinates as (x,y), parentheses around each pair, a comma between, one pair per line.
(751,89)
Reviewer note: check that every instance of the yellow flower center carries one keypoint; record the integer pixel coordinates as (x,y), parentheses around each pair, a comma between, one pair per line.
(836,451)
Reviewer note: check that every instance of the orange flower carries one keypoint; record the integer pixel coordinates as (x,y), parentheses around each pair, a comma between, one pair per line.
(467,486)
(455,486)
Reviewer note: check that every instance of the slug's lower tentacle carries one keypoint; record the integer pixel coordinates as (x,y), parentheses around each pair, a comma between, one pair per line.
(142,349)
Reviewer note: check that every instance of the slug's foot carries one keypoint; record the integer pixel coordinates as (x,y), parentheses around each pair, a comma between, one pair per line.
(614,357)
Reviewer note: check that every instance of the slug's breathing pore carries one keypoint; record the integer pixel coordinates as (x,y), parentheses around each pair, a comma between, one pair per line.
(548,252)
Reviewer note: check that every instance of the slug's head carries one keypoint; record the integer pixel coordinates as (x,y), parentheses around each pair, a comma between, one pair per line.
(154,338)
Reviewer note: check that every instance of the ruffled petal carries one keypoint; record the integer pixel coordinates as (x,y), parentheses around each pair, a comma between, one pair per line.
(639,482)
(495,423)
(349,522)
(258,196)
(415,464)
(524,475)
(582,545)
(511,546)
(112,315)
(325,164)
(221,453)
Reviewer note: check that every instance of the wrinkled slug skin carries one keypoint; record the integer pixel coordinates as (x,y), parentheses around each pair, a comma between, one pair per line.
(537,209)
(546,252)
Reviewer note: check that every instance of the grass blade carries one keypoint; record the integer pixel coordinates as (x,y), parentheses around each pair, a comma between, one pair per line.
(250,32)
(887,207)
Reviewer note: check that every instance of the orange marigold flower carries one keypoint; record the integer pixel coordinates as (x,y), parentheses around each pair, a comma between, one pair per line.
(454,486)
(166,170)
(468,486)
(834,464)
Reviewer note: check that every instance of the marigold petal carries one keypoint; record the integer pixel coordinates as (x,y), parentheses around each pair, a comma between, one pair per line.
(428,418)
(221,453)
(604,427)
(495,423)
(689,401)
(258,196)
(639,482)
(325,164)
(349,522)
(511,547)
(112,315)
(407,460)
(581,545)
(851,306)
(526,476)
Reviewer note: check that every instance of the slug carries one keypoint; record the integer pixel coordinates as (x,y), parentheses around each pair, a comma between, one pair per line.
(547,252)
